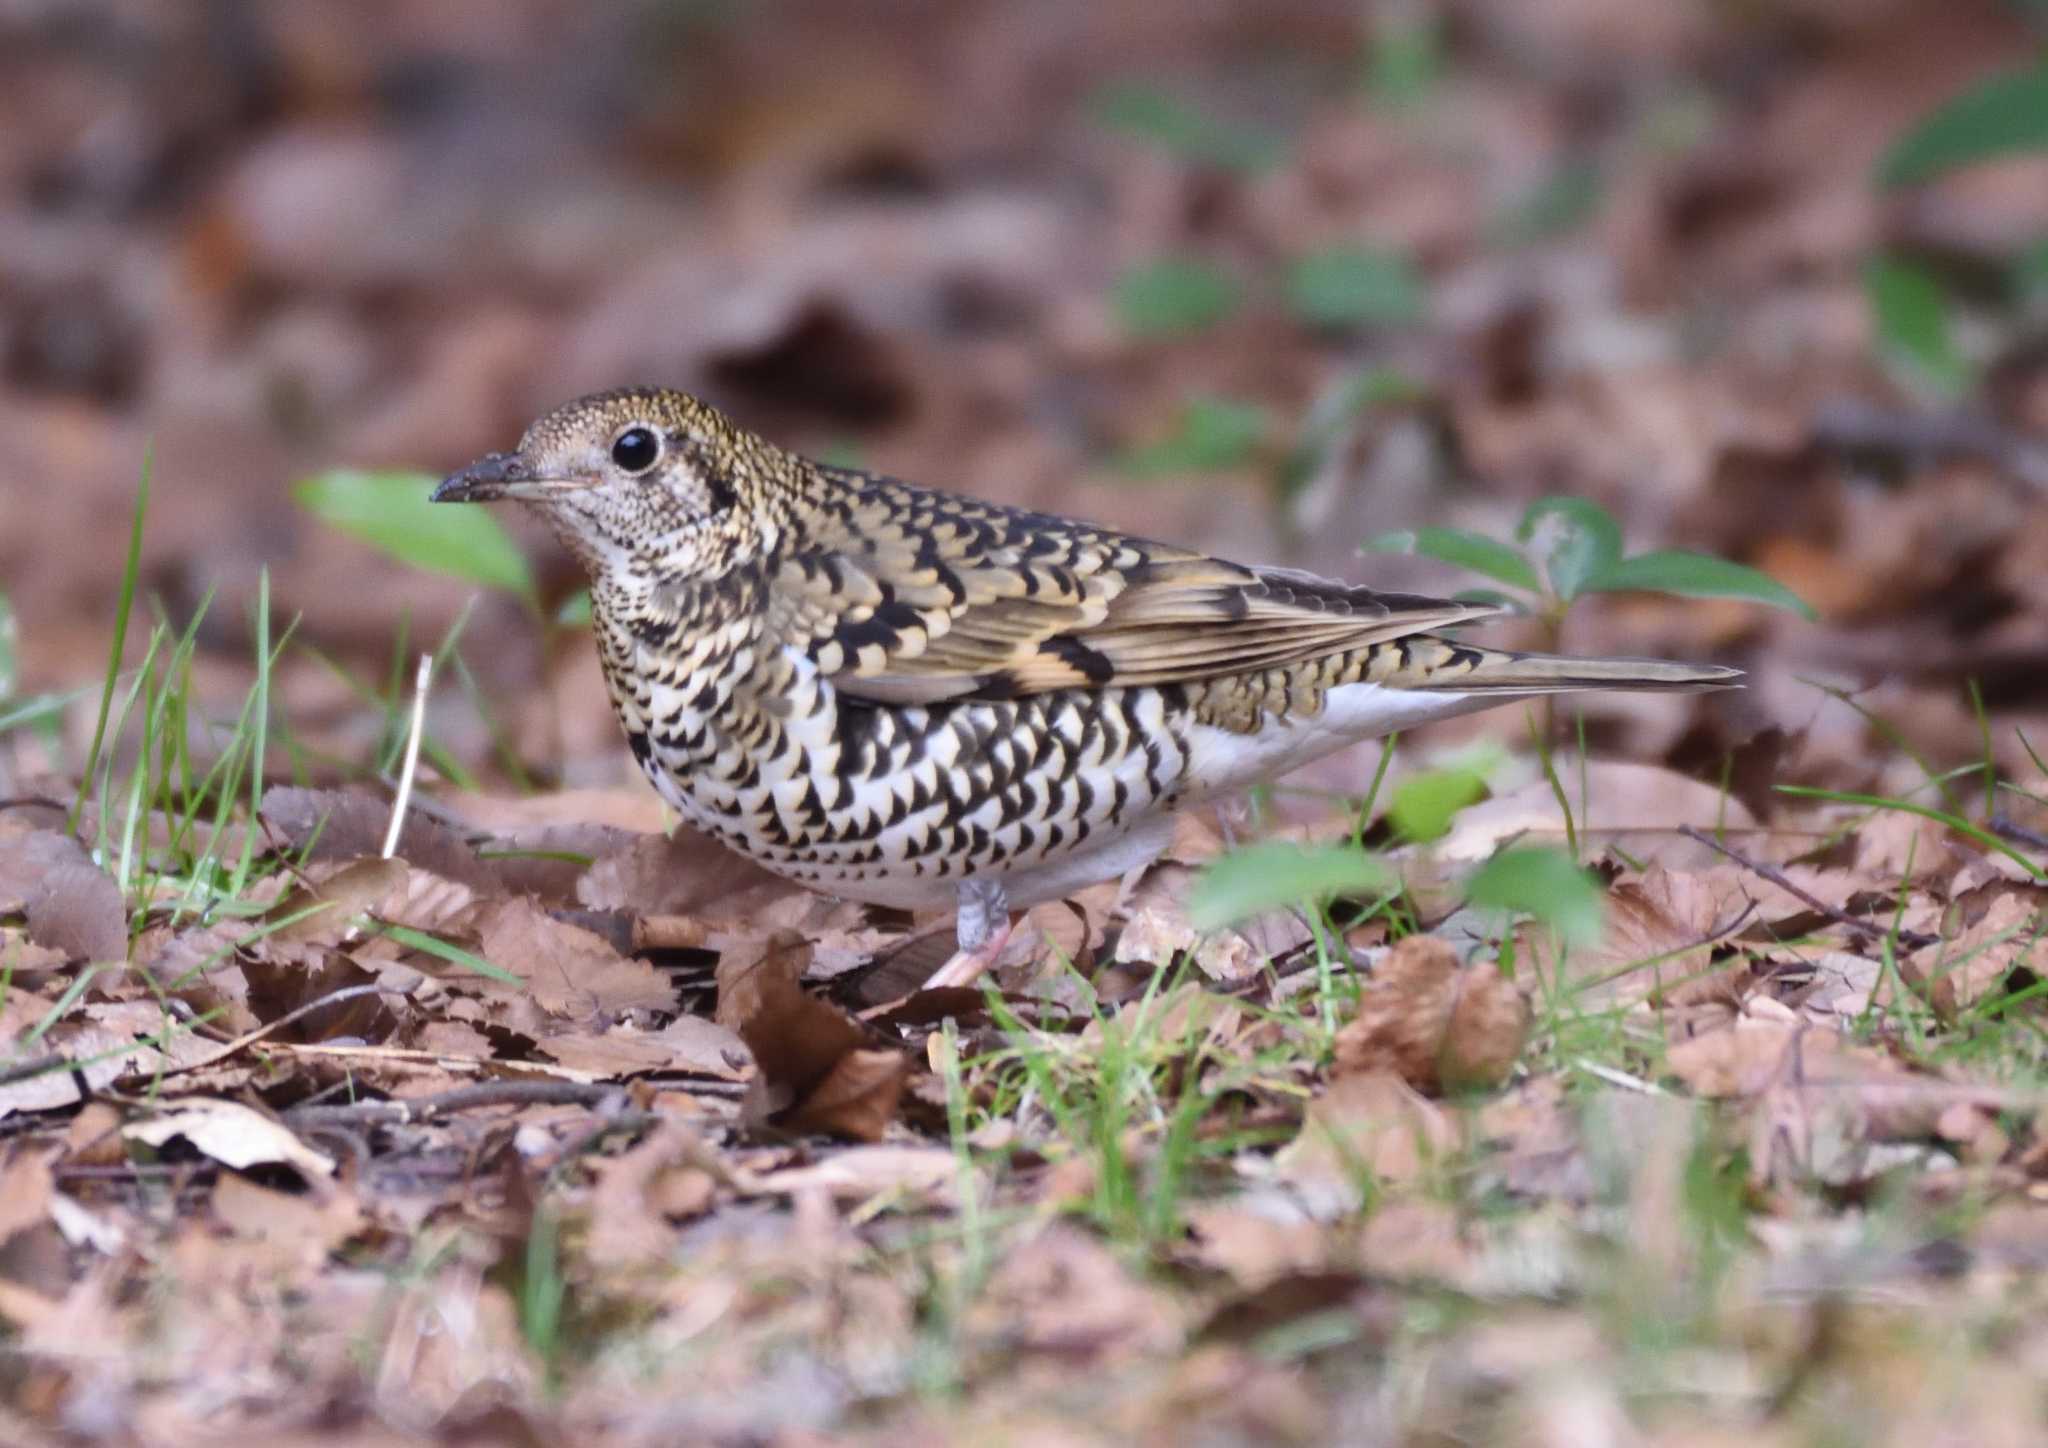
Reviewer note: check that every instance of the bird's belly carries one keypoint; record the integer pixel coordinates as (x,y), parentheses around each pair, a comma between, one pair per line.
(896,806)
(1222,760)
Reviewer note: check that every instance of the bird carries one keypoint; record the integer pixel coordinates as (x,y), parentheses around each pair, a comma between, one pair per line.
(921,700)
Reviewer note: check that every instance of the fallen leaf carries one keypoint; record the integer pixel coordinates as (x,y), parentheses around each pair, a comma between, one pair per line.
(796,1039)
(26,1186)
(1438,1026)
(322,911)
(684,874)
(233,1135)
(607,1055)
(304,1227)
(1363,1129)
(570,971)
(924,1175)
(71,904)
(809,1052)
(1639,806)
(857,1099)
(344,824)
(1957,974)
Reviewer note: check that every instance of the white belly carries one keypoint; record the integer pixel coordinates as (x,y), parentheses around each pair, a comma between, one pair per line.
(1221,762)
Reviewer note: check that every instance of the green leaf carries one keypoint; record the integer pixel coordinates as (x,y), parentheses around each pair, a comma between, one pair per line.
(1424,804)
(1274,875)
(390,512)
(1173,297)
(1912,315)
(1544,883)
(1212,433)
(1350,286)
(1473,551)
(1695,575)
(1185,130)
(2000,116)
(1577,541)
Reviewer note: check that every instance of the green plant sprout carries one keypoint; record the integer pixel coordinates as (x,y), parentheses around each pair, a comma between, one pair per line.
(1566,548)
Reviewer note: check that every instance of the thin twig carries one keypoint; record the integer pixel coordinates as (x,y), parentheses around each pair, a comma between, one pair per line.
(34,1067)
(461,1098)
(1912,939)
(2018,834)
(250,1038)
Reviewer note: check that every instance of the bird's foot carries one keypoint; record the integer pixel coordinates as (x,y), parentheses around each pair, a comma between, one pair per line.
(983,929)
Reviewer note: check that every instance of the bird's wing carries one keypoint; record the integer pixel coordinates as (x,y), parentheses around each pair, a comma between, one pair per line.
(918,597)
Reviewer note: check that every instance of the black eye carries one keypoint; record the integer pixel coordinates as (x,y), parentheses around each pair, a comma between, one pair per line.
(636,449)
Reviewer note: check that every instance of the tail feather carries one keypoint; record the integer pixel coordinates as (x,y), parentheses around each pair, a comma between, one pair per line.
(1472,670)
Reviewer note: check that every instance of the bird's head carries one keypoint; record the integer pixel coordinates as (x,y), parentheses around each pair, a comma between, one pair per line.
(638,481)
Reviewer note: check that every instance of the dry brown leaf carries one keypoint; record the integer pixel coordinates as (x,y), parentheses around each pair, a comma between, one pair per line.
(607,1055)
(321,912)
(858,1097)
(1363,1129)
(795,1038)
(809,1052)
(686,874)
(72,905)
(455,1038)
(26,1186)
(343,824)
(1741,1060)
(1639,806)
(1438,1026)
(668,1177)
(570,971)
(1064,1292)
(705,1047)
(303,1226)
(1254,1247)
(923,1175)
(1957,974)
(1156,930)
(233,1135)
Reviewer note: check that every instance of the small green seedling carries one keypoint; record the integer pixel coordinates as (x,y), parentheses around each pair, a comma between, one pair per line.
(1566,548)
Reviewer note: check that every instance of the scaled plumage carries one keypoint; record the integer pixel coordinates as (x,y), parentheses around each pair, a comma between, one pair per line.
(886,692)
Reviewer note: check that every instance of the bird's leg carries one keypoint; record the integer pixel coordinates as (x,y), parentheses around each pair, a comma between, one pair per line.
(983,929)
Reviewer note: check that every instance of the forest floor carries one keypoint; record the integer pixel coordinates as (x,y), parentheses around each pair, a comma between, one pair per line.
(1670,1070)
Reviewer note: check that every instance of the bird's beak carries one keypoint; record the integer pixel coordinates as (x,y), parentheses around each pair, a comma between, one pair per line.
(501,475)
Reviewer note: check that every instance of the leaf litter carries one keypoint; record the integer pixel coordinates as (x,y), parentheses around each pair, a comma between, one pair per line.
(625,1141)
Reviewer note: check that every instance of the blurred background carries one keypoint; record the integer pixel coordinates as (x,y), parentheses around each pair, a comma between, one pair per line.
(1270,278)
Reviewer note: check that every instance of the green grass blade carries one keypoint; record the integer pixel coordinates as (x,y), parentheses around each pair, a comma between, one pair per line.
(131,571)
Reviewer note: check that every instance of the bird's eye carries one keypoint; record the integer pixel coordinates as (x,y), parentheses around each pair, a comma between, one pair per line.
(636,449)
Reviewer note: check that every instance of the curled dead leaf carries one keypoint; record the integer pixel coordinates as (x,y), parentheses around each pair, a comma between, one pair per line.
(857,1099)
(1437,1025)
(809,1051)
(233,1135)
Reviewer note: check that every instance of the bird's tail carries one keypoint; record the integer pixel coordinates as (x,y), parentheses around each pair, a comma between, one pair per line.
(1465,669)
